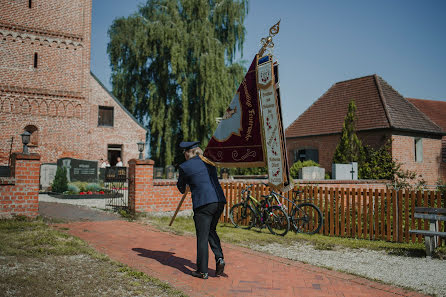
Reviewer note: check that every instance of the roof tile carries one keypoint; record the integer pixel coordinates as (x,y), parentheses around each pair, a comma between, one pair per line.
(378,105)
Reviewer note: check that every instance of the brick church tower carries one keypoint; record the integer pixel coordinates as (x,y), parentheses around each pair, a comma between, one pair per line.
(46,87)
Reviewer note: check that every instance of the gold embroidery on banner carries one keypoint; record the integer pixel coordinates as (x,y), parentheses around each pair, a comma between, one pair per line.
(249,153)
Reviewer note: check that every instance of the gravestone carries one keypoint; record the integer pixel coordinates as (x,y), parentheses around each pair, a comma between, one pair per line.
(224,173)
(345,171)
(79,170)
(312,173)
(170,172)
(157,172)
(47,174)
(115,173)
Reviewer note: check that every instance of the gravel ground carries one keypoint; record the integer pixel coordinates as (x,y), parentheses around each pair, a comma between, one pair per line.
(96,203)
(423,274)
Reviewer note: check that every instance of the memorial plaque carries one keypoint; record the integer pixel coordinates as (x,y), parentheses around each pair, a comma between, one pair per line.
(47,174)
(345,171)
(170,172)
(115,174)
(79,170)
(312,173)
(158,172)
(224,173)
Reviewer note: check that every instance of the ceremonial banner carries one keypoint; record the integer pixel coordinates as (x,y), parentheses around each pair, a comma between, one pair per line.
(238,140)
(274,138)
(250,133)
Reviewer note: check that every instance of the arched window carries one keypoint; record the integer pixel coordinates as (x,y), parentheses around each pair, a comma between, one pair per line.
(34,135)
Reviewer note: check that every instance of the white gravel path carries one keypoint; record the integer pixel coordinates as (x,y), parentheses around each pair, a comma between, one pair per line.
(423,274)
(96,203)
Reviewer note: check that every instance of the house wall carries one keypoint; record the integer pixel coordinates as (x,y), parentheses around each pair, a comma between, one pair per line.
(326,145)
(403,151)
(125,130)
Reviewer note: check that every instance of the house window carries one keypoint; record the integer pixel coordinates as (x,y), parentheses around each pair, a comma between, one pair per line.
(34,140)
(418,149)
(306,154)
(105,116)
(443,153)
(36,60)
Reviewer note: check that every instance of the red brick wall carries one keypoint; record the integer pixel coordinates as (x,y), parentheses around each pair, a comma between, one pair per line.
(19,194)
(59,16)
(59,32)
(167,196)
(403,150)
(140,185)
(147,194)
(59,97)
(326,145)
(125,130)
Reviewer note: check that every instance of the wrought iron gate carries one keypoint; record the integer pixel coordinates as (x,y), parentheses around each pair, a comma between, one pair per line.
(116,183)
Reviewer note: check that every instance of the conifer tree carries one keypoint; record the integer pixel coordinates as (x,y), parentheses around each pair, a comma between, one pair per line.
(350,148)
(173,68)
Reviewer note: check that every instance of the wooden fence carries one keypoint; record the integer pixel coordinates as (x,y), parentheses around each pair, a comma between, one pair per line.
(358,213)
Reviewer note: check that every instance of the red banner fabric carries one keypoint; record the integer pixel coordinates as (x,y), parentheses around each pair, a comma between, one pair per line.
(237,142)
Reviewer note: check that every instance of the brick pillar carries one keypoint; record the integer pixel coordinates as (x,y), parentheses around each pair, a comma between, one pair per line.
(140,185)
(20,192)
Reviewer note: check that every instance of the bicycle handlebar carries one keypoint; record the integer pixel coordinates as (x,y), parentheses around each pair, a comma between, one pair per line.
(247,189)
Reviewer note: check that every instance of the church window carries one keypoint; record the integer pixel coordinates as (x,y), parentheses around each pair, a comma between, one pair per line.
(34,140)
(105,116)
(36,60)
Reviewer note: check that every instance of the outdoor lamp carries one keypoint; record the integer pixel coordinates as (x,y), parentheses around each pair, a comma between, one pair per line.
(25,140)
(140,149)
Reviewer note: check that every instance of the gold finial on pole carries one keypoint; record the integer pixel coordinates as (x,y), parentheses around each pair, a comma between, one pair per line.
(268,41)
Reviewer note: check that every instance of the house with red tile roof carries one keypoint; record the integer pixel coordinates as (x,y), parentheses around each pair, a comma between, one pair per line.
(382,114)
(436,111)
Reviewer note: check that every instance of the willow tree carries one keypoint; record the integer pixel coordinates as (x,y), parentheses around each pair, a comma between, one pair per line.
(173,67)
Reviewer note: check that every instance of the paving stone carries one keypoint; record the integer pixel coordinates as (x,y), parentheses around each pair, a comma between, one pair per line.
(171,258)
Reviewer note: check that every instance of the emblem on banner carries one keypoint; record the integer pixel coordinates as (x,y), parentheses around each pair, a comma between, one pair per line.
(264,75)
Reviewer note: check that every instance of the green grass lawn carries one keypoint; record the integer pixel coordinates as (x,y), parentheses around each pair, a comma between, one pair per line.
(229,234)
(38,260)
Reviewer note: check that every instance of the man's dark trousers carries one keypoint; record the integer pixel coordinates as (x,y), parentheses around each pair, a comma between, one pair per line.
(206,219)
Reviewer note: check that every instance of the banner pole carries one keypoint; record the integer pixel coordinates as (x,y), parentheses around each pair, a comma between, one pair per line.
(179,206)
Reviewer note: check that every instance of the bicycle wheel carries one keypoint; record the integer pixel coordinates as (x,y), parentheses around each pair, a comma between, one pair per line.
(277,222)
(242,216)
(306,218)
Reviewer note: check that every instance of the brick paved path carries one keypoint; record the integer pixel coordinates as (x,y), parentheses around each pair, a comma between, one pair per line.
(171,258)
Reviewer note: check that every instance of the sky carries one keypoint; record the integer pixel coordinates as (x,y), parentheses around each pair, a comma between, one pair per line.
(324,42)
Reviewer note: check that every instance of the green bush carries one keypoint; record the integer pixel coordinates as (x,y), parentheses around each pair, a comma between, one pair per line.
(93,187)
(73,189)
(60,183)
(294,170)
(82,186)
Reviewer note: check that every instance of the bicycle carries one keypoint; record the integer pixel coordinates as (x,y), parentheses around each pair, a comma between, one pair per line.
(304,217)
(251,212)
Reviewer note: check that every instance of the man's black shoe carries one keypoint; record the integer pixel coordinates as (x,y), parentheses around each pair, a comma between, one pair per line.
(200,274)
(220,267)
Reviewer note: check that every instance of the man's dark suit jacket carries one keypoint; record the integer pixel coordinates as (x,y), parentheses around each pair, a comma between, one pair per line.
(202,180)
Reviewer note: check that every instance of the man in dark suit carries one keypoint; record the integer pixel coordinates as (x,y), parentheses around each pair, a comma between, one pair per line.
(208,202)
